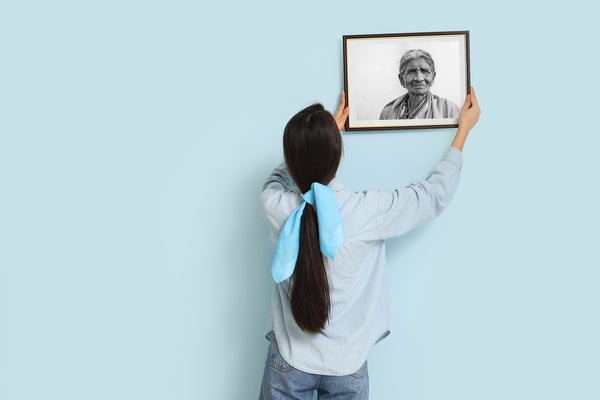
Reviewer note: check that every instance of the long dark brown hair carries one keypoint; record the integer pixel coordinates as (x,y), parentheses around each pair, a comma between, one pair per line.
(312,146)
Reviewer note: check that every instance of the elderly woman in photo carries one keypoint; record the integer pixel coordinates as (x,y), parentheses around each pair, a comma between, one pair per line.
(417,73)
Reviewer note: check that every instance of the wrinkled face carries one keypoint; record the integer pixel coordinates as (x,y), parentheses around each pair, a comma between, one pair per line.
(417,77)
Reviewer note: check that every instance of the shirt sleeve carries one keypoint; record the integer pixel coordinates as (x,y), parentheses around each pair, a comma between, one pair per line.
(280,196)
(403,209)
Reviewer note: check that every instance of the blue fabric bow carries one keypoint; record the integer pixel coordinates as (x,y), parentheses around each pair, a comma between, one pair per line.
(331,234)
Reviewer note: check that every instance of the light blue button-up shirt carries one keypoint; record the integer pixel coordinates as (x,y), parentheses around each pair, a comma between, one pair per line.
(359,315)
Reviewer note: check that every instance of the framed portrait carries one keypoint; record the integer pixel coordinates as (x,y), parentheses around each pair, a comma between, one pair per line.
(405,80)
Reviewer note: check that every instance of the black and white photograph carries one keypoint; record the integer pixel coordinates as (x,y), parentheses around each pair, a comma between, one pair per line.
(405,80)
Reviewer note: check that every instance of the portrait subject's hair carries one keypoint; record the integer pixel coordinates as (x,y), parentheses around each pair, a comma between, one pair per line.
(312,146)
(413,55)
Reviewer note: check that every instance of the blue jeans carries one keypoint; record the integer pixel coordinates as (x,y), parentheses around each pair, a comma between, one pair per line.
(281,381)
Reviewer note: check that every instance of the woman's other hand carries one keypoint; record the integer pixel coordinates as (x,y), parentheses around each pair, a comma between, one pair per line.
(341,114)
(469,114)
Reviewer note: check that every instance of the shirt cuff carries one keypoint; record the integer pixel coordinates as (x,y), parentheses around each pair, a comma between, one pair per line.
(454,156)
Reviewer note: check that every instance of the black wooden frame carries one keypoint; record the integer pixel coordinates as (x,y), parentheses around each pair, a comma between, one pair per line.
(398,35)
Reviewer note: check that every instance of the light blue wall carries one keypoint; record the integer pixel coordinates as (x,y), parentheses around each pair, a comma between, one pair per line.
(134,140)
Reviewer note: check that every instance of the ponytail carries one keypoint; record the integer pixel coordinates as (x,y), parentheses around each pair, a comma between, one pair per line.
(312,146)
(310,288)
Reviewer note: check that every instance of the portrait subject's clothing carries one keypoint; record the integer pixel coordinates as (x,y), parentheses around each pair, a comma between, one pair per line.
(431,107)
(359,315)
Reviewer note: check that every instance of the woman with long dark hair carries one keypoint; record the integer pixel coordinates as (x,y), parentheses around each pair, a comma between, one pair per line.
(330,303)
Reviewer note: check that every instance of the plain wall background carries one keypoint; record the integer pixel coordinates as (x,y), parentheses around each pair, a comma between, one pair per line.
(134,140)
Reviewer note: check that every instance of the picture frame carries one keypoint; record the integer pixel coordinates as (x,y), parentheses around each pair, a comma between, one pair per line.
(405,80)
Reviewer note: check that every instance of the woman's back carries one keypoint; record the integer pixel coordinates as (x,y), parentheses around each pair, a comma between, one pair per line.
(359,315)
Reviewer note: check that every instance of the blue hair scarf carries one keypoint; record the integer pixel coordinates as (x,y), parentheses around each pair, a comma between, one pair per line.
(331,234)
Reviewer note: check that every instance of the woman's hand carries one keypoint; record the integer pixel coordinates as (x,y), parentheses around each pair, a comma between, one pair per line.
(467,118)
(469,113)
(341,114)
